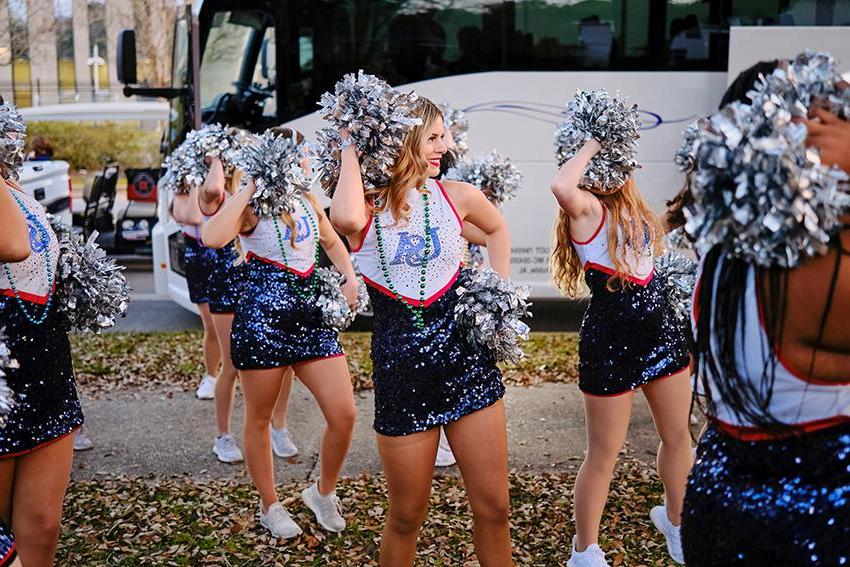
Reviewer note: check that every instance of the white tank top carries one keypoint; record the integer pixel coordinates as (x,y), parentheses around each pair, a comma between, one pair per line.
(194,230)
(797,400)
(30,276)
(263,243)
(594,254)
(404,246)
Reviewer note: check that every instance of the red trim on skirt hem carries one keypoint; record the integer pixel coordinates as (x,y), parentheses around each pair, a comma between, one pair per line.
(10,557)
(636,387)
(39,446)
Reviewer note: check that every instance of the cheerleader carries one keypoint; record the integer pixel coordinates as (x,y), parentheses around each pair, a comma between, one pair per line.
(36,445)
(408,242)
(629,340)
(278,326)
(771,484)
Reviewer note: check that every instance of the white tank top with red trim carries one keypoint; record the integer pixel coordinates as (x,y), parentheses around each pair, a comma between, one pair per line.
(594,254)
(263,243)
(30,275)
(796,400)
(404,245)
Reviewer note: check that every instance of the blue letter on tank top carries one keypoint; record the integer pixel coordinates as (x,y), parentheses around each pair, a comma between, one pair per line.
(411,248)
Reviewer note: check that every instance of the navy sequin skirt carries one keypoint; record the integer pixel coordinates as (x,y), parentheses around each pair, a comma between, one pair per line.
(274,326)
(780,503)
(47,404)
(212,275)
(8,552)
(629,337)
(426,377)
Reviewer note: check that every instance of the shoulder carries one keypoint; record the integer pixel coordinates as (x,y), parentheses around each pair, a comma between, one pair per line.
(458,191)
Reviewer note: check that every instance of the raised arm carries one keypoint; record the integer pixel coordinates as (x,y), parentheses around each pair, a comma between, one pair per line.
(473,234)
(185,208)
(235,216)
(574,201)
(15,244)
(211,192)
(348,206)
(473,206)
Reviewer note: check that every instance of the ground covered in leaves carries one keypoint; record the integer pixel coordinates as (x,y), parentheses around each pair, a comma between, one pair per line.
(173,361)
(131,521)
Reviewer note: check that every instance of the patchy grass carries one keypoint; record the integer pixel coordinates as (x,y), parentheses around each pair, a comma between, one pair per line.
(174,362)
(133,521)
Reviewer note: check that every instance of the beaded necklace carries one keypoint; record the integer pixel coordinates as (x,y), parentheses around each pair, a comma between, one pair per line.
(418,310)
(45,235)
(305,292)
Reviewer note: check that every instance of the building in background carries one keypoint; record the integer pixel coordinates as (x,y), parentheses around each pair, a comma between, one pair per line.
(60,51)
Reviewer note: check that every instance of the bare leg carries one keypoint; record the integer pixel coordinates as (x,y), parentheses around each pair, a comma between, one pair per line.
(607,421)
(226,381)
(212,352)
(480,444)
(282,403)
(329,382)
(41,478)
(670,401)
(408,467)
(260,388)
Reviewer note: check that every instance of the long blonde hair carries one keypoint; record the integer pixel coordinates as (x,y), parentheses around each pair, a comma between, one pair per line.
(410,168)
(628,215)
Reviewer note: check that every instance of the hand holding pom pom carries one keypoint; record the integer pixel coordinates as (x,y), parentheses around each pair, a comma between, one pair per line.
(337,311)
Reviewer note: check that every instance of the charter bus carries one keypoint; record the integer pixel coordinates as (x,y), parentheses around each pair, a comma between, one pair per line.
(510,65)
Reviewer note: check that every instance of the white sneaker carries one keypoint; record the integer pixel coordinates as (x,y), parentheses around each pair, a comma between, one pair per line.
(278,521)
(671,533)
(226,449)
(445,457)
(206,389)
(593,556)
(328,509)
(82,441)
(282,444)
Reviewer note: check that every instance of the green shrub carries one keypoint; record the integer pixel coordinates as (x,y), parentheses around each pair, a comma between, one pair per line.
(88,145)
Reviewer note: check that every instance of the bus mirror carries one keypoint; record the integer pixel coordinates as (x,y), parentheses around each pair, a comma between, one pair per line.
(126,70)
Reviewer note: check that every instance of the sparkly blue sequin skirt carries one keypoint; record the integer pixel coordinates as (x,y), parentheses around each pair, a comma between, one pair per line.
(212,275)
(7,546)
(629,337)
(426,377)
(779,503)
(48,407)
(274,326)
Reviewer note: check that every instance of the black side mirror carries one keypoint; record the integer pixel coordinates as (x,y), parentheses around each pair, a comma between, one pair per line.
(126,70)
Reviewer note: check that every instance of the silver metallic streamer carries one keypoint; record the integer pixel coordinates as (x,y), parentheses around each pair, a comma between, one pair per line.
(12,139)
(7,396)
(377,116)
(186,166)
(495,175)
(596,114)
(490,312)
(274,163)
(759,191)
(330,299)
(90,287)
(678,272)
(686,155)
(456,122)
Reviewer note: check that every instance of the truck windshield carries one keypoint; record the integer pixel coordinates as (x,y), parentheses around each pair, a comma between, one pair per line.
(239,58)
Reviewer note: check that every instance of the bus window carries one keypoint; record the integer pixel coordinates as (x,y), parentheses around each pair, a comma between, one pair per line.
(265,72)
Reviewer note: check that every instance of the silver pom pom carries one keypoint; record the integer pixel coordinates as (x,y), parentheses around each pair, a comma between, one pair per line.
(7,396)
(495,175)
(678,273)
(457,124)
(759,191)
(12,139)
(90,287)
(335,311)
(274,163)
(377,117)
(178,177)
(186,166)
(489,312)
(596,114)
(686,155)
(809,80)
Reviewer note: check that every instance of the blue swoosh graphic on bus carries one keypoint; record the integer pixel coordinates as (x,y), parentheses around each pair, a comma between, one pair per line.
(553,114)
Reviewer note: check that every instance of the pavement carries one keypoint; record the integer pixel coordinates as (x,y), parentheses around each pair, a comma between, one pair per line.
(171,436)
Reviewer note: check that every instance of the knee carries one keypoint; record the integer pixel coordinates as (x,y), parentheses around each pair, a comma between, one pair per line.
(342,419)
(601,460)
(492,509)
(38,528)
(678,439)
(257,419)
(407,519)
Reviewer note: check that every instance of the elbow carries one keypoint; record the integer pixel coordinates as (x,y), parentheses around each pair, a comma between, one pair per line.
(346,224)
(16,252)
(210,239)
(559,189)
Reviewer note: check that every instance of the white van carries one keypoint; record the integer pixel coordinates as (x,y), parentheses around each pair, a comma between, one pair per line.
(48,181)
